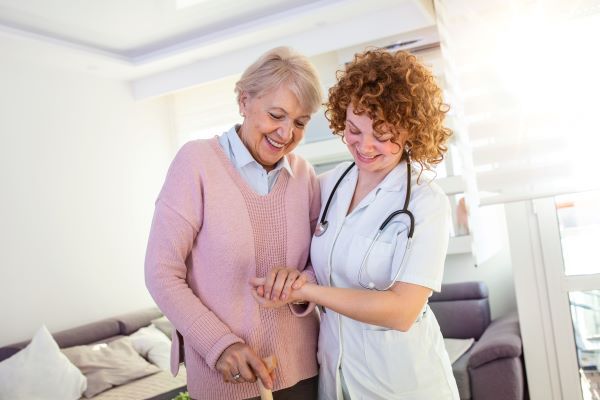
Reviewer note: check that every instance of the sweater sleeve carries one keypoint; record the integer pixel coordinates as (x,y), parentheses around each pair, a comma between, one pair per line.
(301,310)
(176,223)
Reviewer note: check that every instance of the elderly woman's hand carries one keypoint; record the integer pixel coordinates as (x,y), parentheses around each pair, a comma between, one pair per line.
(279,283)
(296,296)
(290,293)
(239,364)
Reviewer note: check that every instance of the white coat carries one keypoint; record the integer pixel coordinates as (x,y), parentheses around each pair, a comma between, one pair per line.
(380,363)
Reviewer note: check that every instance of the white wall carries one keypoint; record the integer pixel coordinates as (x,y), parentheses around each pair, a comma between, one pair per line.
(80,166)
(496,272)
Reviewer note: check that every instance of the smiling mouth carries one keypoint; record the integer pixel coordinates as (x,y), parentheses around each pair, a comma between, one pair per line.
(365,157)
(275,144)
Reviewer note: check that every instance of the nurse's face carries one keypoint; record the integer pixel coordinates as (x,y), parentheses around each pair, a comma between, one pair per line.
(274,124)
(373,152)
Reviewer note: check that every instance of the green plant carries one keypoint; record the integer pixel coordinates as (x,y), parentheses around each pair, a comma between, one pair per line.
(182,396)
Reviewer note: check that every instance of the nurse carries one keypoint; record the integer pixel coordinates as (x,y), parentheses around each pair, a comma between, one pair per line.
(378,338)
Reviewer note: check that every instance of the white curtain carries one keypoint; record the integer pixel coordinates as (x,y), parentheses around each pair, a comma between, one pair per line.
(523,79)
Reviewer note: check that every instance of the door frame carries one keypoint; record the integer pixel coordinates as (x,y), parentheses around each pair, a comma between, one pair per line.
(541,290)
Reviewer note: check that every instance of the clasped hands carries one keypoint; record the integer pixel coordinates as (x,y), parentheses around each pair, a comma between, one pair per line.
(239,363)
(279,287)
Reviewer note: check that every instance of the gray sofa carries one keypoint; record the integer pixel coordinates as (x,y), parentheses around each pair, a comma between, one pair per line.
(493,368)
(104,331)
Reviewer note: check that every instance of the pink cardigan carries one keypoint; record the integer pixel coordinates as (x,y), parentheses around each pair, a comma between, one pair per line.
(210,234)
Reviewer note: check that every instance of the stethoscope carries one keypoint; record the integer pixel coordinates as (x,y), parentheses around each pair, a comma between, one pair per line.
(323,224)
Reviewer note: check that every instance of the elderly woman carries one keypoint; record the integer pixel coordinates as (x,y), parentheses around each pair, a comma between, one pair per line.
(233,207)
(379,249)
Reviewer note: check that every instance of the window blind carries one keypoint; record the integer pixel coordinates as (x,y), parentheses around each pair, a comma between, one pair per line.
(524,79)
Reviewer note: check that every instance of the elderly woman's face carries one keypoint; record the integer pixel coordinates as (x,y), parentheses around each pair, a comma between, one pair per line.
(273,126)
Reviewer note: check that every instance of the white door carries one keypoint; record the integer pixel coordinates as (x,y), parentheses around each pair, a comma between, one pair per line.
(555,243)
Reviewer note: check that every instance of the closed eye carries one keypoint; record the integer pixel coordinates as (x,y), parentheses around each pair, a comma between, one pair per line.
(276,116)
(384,138)
(300,124)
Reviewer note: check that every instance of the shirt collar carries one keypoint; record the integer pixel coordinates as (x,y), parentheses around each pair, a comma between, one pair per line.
(395,180)
(242,155)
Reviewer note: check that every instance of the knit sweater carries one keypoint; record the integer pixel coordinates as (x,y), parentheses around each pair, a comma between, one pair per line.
(210,234)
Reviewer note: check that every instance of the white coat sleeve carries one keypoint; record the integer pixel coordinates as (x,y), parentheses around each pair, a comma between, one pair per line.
(425,263)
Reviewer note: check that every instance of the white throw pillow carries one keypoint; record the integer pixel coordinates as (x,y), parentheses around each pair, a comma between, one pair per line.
(40,372)
(152,344)
(457,347)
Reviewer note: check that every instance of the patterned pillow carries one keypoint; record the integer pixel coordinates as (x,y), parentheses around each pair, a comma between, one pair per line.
(108,365)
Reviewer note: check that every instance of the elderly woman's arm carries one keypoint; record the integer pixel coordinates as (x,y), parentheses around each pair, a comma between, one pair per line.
(177,220)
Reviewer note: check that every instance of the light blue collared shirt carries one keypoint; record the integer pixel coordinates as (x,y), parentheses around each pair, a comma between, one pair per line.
(253,173)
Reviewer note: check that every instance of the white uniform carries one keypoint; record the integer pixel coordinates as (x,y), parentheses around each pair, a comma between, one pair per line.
(376,362)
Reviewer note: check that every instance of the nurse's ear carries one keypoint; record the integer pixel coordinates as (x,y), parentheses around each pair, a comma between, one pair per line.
(403,141)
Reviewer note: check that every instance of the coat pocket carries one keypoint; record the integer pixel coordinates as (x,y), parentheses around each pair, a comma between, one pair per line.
(392,357)
(377,258)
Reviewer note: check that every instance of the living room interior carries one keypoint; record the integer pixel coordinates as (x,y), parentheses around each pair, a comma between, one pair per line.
(98,96)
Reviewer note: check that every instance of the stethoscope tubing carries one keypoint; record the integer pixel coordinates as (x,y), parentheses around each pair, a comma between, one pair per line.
(363,267)
(323,224)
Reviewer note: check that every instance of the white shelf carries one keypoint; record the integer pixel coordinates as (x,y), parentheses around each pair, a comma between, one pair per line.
(323,151)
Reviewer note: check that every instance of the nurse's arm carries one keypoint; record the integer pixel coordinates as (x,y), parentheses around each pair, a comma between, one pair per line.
(397,308)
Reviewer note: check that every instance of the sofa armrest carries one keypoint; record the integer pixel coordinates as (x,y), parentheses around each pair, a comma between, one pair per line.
(502,339)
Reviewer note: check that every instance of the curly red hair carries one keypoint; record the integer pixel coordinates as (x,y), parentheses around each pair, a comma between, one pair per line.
(397,92)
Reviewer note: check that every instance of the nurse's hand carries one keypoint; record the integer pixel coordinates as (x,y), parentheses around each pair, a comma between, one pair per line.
(296,295)
(239,364)
(279,283)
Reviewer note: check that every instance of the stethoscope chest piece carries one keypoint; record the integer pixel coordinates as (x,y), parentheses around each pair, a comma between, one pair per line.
(321,228)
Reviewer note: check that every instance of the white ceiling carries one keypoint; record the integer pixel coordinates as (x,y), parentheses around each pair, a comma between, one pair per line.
(164,45)
(133,28)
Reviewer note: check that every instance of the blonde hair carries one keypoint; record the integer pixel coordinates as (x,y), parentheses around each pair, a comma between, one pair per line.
(283,66)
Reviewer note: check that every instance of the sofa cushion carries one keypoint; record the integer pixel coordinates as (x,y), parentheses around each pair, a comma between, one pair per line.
(457,347)
(89,333)
(462,319)
(461,291)
(40,371)
(461,375)
(9,351)
(462,309)
(131,322)
(502,339)
(108,365)
(502,379)
(153,345)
